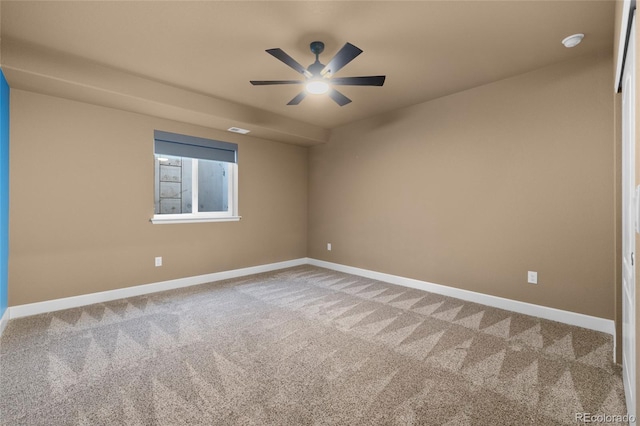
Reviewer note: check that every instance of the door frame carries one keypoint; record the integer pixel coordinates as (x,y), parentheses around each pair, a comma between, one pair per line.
(625,79)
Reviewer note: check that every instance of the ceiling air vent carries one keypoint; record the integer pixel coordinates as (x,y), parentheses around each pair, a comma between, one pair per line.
(238,130)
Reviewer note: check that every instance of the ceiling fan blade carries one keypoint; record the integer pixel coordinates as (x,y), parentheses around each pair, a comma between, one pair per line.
(342,58)
(268,82)
(299,97)
(376,80)
(281,55)
(340,99)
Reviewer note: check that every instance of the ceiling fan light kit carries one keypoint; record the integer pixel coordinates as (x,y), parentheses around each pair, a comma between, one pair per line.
(316,87)
(319,78)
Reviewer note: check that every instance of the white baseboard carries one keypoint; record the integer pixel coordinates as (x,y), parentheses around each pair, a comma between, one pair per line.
(566,317)
(571,318)
(106,296)
(4,320)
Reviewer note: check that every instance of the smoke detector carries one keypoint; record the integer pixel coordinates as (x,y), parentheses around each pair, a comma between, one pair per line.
(572,40)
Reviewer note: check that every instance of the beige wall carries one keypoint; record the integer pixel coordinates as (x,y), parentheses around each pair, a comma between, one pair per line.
(617,34)
(82,195)
(471,190)
(474,189)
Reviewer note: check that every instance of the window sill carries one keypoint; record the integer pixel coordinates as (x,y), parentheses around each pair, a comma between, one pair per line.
(162,219)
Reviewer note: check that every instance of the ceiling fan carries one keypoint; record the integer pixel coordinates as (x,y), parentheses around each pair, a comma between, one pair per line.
(319,78)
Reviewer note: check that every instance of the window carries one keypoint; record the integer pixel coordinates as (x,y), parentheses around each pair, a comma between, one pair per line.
(196,179)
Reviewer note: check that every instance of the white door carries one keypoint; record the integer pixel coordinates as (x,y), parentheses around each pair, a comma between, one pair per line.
(629,224)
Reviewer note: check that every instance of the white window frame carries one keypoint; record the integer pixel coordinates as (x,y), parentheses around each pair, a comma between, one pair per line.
(230,215)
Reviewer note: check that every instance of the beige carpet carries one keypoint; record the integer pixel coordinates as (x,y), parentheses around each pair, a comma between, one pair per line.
(302,346)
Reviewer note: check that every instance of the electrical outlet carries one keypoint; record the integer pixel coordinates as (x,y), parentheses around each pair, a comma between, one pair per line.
(532,277)
(328,246)
(158,261)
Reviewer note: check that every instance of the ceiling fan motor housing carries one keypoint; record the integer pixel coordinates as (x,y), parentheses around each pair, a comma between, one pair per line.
(317,47)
